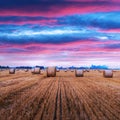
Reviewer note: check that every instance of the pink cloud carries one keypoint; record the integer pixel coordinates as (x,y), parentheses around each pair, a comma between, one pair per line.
(111,31)
(83,46)
(22,22)
(88,52)
(59,10)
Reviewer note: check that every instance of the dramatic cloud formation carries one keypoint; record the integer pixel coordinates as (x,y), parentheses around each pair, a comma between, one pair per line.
(63,32)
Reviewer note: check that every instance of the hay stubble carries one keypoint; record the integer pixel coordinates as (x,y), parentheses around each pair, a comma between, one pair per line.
(25,96)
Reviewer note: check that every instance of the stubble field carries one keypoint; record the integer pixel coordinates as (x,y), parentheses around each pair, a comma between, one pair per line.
(27,96)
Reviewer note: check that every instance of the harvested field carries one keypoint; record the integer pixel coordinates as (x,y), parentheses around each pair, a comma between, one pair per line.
(27,96)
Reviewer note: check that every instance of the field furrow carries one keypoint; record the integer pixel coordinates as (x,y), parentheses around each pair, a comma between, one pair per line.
(24,96)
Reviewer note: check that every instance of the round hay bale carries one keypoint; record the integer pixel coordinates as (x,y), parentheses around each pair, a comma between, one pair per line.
(101,71)
(26,70)
(32,70)
(42,71)
(51,71)
(87,70)
(79,73)
(72,70)
(108,73)
(36,70)
(12,71)
(57,70)
(65,70)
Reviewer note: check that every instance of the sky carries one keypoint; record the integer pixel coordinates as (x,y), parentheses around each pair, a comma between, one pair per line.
(60,32)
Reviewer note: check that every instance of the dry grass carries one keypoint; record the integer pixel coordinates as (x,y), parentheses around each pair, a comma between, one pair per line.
(25,96)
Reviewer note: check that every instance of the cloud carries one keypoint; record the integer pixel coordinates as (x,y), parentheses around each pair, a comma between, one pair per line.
(76,48)
(113,46)
(63,32)
(54,8)
(102,20)
(17,20)
(73,53)
(14,34)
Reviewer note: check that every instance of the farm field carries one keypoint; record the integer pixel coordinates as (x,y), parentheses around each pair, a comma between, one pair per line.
(27,96)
